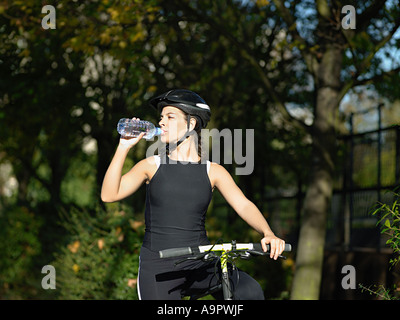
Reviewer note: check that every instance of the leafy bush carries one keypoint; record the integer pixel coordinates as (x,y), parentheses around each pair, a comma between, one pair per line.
(100,259)
(389,220)
(19,246)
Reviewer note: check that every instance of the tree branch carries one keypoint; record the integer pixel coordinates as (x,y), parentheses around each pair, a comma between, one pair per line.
(377,77)
(309,56)
(323,9)
(275,96)
(366,62)
(246,52)
(369,13)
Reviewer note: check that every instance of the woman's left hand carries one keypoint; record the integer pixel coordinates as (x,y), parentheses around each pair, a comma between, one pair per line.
(276,245)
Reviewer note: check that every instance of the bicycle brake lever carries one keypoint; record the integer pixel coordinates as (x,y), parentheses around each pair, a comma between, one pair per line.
(258,253)
(196,257)
(245,255)
(209,256)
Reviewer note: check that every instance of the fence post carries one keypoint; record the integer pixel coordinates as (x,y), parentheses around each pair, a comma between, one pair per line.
(350,212)
(379,178)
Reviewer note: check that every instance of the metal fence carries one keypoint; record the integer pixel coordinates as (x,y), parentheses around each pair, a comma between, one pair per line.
(371,170)
(367,173)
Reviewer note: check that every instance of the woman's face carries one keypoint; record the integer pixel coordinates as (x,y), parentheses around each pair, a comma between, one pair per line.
(173,124)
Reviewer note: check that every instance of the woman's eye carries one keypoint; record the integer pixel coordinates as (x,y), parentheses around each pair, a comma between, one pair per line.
(168,117)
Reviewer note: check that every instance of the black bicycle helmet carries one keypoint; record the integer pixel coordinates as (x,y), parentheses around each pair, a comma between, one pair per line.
(185,100)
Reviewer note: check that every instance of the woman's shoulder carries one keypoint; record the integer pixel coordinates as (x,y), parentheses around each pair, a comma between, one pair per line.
(217,169)
(148,163)
(219,175)
(216,166)
(148,166)
(151,161)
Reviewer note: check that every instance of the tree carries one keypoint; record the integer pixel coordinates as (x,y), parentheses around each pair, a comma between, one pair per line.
(107,58)
(40,80)
(328,68)
(327,65)
(333,60)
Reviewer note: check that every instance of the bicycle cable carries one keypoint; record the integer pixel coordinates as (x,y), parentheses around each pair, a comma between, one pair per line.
(232,262)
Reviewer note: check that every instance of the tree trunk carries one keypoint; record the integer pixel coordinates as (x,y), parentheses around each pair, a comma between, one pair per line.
(310,251)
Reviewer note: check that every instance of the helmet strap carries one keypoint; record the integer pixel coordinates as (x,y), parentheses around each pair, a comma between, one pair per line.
(172,146)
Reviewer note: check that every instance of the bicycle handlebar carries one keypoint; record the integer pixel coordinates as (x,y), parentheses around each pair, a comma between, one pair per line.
(177,252)
(258,247)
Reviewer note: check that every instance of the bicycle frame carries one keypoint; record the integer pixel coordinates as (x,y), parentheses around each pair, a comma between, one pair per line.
(226,285)
(231,250)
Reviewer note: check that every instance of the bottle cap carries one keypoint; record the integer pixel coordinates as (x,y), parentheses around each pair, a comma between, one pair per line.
(158,131)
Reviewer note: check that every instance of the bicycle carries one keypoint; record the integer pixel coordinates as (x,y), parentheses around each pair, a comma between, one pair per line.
(225,252)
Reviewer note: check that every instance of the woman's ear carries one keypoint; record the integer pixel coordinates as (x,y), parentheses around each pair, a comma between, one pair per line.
(193,122)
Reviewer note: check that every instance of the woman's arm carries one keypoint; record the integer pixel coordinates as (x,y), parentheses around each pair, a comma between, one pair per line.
(116,187)
(245,209)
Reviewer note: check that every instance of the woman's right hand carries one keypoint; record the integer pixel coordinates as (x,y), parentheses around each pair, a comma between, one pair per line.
(130,142)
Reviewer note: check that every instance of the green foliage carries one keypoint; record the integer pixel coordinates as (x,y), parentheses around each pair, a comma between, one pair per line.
(100,258)
(64,88)
(389,221)
(381,292)
(19,246)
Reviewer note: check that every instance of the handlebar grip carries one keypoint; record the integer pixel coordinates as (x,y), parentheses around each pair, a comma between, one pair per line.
(175,252)
(257,246)
(288,247)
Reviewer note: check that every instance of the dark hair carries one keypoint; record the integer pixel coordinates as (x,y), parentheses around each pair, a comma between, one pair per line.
(197,130)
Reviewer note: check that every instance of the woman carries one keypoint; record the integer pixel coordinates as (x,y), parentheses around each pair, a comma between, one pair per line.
(179,188)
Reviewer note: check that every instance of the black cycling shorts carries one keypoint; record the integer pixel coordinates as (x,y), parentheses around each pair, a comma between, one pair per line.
(160,279)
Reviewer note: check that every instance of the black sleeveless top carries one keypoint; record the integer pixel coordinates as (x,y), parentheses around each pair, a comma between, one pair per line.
(177,199)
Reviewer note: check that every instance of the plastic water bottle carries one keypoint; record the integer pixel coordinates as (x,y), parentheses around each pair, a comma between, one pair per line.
(129,128)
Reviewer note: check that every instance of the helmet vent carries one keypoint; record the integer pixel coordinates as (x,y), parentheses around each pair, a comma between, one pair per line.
(203,106)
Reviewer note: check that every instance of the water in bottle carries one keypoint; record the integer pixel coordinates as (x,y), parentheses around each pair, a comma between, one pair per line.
(129,128)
